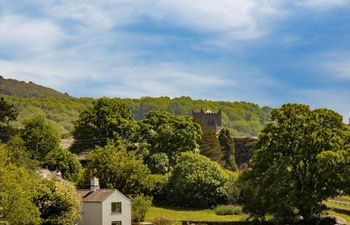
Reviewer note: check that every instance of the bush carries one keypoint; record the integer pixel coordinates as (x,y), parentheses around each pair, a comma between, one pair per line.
(140,206)
(228,210)
(162,221)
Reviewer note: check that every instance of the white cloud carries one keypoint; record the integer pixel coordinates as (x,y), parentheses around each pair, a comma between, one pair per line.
(18,33)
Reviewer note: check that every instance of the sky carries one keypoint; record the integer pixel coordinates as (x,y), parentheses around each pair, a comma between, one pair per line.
(269,52)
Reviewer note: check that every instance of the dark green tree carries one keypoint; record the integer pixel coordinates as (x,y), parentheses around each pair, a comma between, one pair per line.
(228,149)
(301,160)
(106,120)
(39,137)
(118,168)
(196,181)
(7,114)
(169,134)
(66,162)
(209,144)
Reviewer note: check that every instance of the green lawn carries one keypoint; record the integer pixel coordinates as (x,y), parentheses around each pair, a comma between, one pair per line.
(189,214)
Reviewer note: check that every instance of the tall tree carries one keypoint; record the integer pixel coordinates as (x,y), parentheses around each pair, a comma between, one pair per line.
(118,168)
(302,159)
(7,114)
(107,119)
(39,137)
(169,134)
(228,149)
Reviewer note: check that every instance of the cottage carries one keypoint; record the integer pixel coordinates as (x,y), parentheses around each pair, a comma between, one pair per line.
(104,206)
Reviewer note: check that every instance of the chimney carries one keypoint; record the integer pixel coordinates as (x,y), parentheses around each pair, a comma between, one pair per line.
(94,184)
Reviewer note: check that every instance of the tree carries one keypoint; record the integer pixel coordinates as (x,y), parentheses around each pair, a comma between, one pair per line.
(17,190)
(301,160)
(39,137)
(19,155)
(106,120)
(66,162)
(169,134)
(7,114)
(228,148)
(58,202)
(140,206)
(118,168)
(210,145)
(196,181)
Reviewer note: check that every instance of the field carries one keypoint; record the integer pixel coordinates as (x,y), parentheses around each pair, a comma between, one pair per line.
(189,214)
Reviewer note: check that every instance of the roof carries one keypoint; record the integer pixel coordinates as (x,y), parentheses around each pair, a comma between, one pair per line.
(95,196)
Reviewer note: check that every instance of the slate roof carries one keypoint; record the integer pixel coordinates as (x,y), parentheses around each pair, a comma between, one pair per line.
(95,196)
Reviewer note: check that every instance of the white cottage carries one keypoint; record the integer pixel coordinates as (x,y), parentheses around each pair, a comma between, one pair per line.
(104,206)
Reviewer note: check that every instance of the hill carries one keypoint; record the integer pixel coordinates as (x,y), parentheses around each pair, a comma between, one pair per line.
(29,89)
(242,118)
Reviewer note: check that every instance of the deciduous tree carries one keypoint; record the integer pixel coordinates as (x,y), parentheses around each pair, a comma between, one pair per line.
(196,181)
(39,137)
(301,160)
(106,120)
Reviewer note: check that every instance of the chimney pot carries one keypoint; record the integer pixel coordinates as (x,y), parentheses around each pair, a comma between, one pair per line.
(94,184)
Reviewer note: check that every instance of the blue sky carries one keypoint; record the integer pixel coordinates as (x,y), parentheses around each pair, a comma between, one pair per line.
(265,51)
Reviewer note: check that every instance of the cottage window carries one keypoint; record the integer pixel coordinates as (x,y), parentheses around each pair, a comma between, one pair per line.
(117,208)
(116,222)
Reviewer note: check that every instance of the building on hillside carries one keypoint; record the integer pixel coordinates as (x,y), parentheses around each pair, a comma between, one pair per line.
(208,118)
(104,206)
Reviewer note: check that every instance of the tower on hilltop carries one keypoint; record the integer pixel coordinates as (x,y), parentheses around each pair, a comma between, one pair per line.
(209,118)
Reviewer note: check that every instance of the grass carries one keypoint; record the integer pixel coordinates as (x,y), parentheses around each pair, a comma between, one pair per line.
(190,214)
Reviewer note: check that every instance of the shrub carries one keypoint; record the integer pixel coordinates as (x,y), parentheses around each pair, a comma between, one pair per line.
(162,221)
(228,210)
(140,206)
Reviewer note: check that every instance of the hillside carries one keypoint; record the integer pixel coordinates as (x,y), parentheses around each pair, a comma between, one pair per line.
(29,89)
(242,118)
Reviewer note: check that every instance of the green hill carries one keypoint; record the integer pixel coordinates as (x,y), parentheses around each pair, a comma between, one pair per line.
(242,118)
(29,89)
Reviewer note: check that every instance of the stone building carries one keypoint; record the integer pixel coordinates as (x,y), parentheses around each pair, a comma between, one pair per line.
(209,118)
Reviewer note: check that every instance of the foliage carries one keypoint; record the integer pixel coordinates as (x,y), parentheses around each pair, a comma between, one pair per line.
(29,89)
(301,160)
(7,114)
(16,192)
(169,134)
(242,118)
(158,163)
(209,144)
(58,202)
(106,120)
(196,181)
(39,137)
(228,210)
(228,148)
(19,155)
(162,221)
(140,207)
(117,168)
(66,162)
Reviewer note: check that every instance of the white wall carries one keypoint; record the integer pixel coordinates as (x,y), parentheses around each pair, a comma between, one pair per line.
(124,216)
(92,214)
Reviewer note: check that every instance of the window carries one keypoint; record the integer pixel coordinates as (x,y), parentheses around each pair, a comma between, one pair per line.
(116,208)
(116,222)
